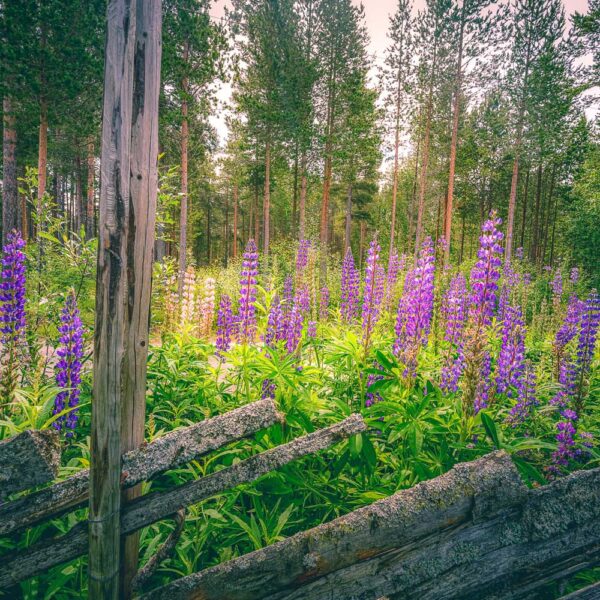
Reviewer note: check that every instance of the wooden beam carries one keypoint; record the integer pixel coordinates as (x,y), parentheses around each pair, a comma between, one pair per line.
(111,329)
(160,505)
(28,459)
(170,451)
(475,532)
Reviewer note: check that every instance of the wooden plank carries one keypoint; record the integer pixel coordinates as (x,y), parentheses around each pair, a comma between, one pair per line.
(28,459)
(167,452)
(111,328)
(154,507)
(469,534)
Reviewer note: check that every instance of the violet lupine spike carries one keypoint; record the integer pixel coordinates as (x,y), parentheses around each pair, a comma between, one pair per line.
(349,288)
(574,276)
(391,277)
(522,411)
(225,325)
(302,258)
(511,279)
(294,328)
(12,290)
(68,367)
(588,334)
(248,281)
(486,272)
(288,294)
(324,303)
(557,287)
(303,299)
(566,451)
(567,379)
(311,329)
(454,309)
(373,294)
(273,323)
(511,360)
(373,397)
(482,393)
(415,309)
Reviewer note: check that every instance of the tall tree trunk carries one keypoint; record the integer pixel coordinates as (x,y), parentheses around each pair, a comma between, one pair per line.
(462,239)
(295,195)
(226,232)
(348,218)
(267,200)
(515,174)
(183,215)
(454,141)
(536,216)
(78,195)
(425,158)
(396,159)
(89,212)
(42,158)
(256,219)
(208,233)
(140,247)
(235,219)
(361,244)
(524,216)
(548,213)
(10,188)
(413,198)
(302,203)
(111,330)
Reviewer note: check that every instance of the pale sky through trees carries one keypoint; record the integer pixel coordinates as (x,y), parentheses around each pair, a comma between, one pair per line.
(377,14)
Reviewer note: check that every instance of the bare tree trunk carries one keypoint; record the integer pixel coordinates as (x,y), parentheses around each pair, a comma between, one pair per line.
(524,217)
(183,215)
(89,212)
(536,216)
(295,196)
(548,213)
(425,159)
(454,142)
(235,219)
(111,331)
(395,171)
(348,218)
(10,188)
(361,244)
(302,203)
(78,195)
(462,239)
(208,233)
(267,200)
(226,231)
(413,198)
(42,158)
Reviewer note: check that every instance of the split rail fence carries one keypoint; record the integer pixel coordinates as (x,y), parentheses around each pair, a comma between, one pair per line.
(477,532)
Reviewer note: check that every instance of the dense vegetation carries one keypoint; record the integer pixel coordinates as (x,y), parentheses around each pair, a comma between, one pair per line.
(416,241)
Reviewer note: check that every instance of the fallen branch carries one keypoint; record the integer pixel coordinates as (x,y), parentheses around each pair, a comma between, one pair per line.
(28,459)
(157,506)
(168,452)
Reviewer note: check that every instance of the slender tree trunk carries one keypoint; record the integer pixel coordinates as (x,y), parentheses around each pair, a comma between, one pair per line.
(536,216)
(295,196)
(78,194)
(256,219)
(348,218)
(396,157)
(462,239)
(548,213)
(302,203)
(413,198)
(42,157)
(361,245)
(111,331)
(454,142)
(267,200)
(553,232)
(425,158)
(89,212)
(208,233)
(183,215)
(10,188)
(235,219)
(515,174)
(226,232)
(524,217)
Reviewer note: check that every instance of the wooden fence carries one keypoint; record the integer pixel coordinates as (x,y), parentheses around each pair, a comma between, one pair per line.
(476,532)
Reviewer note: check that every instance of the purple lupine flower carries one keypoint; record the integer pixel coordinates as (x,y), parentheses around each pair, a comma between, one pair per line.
(349,288)
(521,412)
(288,294)
(415,309)
(294,328)
(511,361)
(557,287)
(324,303)
(225,325)
(565,437)
(302,257)
(519,252)
(485,274)
(268,390)
(373,397)
(510,281)
(311,329)
(482,393)
(247,309)
(588,334)
(68,367)
(574,276)
(568,329)
(12,290)
(303,299)
(391,277)
(567,379)
(373,295)
(452,370)
(454,309)
(274,323)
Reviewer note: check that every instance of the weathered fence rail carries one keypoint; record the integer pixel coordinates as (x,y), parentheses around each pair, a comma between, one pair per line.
(172,450)
(476,532)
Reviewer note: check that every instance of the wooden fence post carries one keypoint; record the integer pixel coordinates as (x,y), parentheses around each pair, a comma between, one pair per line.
(111,303)
(143,191)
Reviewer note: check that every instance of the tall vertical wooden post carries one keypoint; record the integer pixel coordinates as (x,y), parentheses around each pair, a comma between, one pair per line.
(111,331)
(140,247)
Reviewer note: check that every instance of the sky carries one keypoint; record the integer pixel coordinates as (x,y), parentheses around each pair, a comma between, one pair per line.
(377,14)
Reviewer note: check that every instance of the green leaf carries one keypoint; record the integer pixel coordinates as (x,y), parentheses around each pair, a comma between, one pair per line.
(490,428)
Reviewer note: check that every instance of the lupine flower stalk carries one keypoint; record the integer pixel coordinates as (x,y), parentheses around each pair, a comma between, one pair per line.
(207,306)
(511,361)
(484,285)
(415,309)
(248,281)
(391,277)
(12,312)
(68,367)
(188,294)
(574,276)
(522,411)
(350,288)
(586,343)
(225,325)
(373,295)
(567,331)
(324,303)
(274,322)
(454,312)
